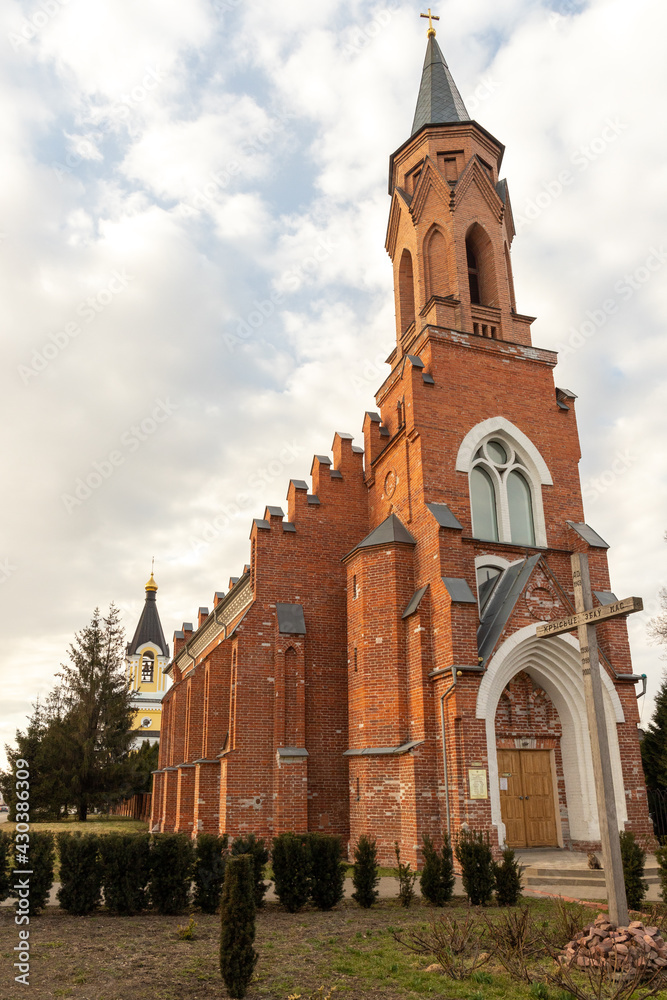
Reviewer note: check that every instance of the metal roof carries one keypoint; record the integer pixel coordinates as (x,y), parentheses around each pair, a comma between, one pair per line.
(439,100)
(391,530)
(586,532)
(459,590)
(149,628)
(606,596)
(511,584)
(444,516)
(290,619)
(415,601)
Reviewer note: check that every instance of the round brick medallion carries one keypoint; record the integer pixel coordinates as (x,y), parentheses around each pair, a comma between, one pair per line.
(541,602)
(390,484)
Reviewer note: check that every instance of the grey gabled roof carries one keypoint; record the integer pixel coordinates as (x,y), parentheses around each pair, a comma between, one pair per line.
(439,100)
(500,605)
(149,628)
(459,590)
(391,530)
(606,596)
(414,602)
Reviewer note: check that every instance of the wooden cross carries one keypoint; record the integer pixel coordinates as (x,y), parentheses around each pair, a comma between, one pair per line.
(585,621)
(431,19)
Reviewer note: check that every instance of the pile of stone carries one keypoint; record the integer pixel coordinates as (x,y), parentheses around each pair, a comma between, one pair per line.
(619,949)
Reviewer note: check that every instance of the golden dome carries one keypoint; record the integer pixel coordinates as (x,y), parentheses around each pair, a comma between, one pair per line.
(151,585)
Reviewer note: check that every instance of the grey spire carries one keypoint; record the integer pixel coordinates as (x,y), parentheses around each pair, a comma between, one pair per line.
(439,100)
(149,628)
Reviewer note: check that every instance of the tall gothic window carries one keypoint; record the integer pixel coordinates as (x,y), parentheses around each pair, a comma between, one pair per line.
(147,667)
(480,258)
(406,291)
(501,495)
(473,275)
(487,578)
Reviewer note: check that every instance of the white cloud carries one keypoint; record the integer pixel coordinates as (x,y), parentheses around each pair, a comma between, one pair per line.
(310,102)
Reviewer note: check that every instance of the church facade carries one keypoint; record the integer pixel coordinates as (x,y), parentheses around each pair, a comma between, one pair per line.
(375,668)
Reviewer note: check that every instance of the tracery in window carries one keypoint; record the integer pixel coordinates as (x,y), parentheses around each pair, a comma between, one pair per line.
(501,495)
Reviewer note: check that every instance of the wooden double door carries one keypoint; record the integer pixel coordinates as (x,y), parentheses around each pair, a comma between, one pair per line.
(527,798)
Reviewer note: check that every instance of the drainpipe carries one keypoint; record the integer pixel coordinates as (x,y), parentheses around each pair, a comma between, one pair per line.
(444,751)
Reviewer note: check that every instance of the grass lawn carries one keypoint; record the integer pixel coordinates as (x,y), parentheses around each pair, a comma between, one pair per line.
(141,958)
(94,824)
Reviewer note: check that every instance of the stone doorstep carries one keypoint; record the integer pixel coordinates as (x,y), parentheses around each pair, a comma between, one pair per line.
(576,876)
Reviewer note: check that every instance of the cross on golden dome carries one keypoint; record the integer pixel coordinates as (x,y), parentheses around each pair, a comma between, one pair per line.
(431,18)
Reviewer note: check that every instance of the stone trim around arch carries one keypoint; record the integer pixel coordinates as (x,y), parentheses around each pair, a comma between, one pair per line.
(501,425)
(554,663)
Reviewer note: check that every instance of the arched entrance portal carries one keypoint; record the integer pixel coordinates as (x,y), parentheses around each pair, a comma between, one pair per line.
(554,665)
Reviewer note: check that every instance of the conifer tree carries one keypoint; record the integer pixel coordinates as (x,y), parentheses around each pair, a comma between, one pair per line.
(237,911)
(365,873)
(654,743)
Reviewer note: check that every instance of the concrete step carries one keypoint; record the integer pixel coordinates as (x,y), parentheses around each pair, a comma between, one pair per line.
(574,878)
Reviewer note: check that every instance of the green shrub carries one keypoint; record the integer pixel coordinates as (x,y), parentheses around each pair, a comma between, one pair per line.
(40,860)
(365,873)
(291,870)
(473,853)
(661,857)
(327,871)
(634,859)
(508,879)
(209,870)
(437,877)
(80,873)
(171,864)
(5,854)
(406,879)
(237,912)
(260,856)
(125,862)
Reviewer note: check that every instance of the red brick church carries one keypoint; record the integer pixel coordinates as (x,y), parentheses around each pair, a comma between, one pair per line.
(375,668)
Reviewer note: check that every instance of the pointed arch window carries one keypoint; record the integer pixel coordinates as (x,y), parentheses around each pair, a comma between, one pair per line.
(480,258)
(406,291)
(502,494)
(473,275)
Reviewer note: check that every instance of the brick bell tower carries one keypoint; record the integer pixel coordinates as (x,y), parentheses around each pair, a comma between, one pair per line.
(457,713)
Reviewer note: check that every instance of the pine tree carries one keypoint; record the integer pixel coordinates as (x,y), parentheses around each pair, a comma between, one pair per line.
(654,743)
(437,877)
(237,913)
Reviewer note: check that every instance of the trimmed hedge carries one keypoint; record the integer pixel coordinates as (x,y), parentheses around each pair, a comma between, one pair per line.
(473,853)
(80,873)
(237,919)
(365,873)
(125,867)
(508,879)
(437,876)
(634,859)
(291,870)
(172,858)
(327,870)
(260,856)
(41,858)
(209,870)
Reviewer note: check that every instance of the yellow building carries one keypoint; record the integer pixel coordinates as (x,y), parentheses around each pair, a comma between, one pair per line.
(146,660)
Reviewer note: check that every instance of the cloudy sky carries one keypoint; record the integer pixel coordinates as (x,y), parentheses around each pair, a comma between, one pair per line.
(168,167)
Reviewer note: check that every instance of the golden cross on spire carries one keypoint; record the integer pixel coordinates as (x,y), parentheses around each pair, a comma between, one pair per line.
(431,18)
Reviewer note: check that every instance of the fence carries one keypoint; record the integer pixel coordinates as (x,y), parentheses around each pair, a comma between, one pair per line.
(138,807)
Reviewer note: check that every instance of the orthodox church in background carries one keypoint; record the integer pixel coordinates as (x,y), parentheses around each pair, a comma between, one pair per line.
(147,660)
(375,668)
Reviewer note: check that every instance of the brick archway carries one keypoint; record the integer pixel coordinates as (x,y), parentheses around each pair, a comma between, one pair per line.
(554,664)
